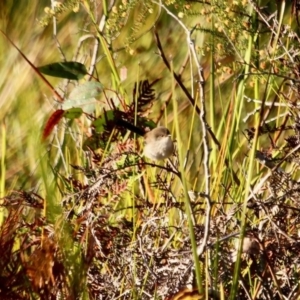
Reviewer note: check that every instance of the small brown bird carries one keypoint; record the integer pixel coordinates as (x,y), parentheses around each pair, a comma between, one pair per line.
(158,143)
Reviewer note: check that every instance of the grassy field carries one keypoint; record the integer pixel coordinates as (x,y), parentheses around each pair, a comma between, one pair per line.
(80,221)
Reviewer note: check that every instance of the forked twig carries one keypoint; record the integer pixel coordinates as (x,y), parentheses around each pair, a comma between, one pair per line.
(192,101)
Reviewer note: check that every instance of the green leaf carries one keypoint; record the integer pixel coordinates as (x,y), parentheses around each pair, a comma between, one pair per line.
(84,95)
(73,113)
(144,122)
(103,121)
(70,70)
(94,142)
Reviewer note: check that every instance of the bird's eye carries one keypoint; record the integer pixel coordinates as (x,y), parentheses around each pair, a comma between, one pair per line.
(167,132)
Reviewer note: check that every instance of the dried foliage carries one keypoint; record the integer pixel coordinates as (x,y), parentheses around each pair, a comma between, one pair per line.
(118,256)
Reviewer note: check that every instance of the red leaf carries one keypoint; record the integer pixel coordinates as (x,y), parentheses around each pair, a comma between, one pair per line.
(53,120)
